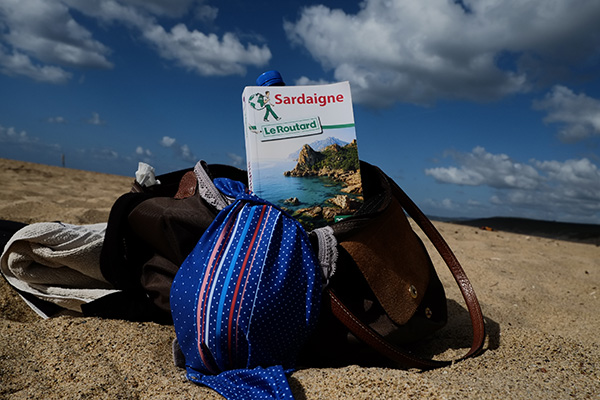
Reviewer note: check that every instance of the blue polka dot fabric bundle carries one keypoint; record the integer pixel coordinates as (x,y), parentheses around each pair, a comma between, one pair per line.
(246,299)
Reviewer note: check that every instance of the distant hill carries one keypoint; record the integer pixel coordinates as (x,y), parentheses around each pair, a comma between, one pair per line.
(585,233)
(319,145)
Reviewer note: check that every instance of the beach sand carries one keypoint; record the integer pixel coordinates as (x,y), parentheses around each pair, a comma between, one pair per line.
(540,297)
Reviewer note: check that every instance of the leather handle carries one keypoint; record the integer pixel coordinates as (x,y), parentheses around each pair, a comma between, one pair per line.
(378,342)
(453,264)
(368,335)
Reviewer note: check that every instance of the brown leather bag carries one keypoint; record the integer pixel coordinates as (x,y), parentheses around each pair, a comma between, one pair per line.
(385,291)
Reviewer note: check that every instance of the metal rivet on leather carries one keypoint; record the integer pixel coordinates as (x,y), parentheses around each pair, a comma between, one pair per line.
(428,312)
(413,291)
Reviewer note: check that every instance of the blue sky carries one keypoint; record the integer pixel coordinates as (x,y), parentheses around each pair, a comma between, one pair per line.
(476,108)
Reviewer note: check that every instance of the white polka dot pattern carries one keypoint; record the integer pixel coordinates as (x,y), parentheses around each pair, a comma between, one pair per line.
(245,300)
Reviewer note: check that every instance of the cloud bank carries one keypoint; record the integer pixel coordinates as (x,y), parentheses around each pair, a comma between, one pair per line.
(578,114)
(421,51)
(42,40)
(569,189)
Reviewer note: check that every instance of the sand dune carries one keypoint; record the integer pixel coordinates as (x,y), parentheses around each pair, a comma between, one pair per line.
(539,295)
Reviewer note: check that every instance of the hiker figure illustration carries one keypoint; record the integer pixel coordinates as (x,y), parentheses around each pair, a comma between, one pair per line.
(269,110)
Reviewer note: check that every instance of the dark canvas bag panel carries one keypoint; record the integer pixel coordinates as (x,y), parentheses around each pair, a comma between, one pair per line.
(150,232)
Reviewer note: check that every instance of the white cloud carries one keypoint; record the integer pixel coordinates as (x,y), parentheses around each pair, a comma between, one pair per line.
(186,153)
(112,11)
(174,8)
(579,114)
(303,81)
(143,154)
(140,151)
(444,204)
(12,138)
(42,38)
(167,141)
(206,54)
(567,190)
(11,134)
(206,13)
(437,204)
(169,8)
(482,168)
(104,153)
(456,176)
(47,31)
(19,64)
(181,151)
(96,120)
(57,120)
(573,180)
(419,51)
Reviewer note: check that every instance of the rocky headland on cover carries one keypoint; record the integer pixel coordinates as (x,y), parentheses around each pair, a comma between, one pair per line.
(338,163)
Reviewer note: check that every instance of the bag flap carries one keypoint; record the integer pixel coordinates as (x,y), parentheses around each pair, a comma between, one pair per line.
(389,254)
(393,262)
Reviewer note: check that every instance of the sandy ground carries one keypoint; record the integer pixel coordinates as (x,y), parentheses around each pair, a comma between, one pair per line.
(540,298)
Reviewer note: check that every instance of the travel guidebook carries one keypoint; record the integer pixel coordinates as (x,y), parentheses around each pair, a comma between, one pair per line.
(301,150)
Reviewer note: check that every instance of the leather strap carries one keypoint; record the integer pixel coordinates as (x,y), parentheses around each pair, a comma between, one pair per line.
(378,342)
(369,336)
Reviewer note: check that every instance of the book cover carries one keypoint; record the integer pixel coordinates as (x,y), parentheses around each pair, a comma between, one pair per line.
(301,150)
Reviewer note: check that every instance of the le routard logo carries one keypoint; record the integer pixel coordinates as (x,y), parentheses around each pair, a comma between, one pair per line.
(261,102)
(271,129)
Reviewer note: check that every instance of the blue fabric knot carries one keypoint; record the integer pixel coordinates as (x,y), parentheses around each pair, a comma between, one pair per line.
(246,299)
